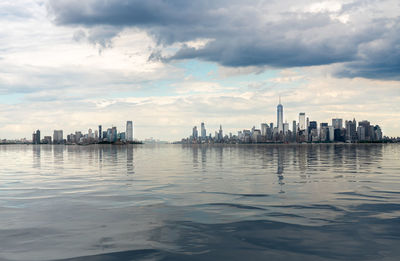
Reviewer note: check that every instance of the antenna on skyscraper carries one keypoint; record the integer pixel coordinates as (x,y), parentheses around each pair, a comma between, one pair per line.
(279,99)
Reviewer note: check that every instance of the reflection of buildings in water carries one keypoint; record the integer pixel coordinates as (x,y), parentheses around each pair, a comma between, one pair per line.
(129,160)
(204,157)
(36,154)
(369,155)
(281,158)
(58,154)
(302,158)
(195,154)
(220,155)
(312,156)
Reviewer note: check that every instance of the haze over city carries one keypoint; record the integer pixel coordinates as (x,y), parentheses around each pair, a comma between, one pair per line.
(169,65)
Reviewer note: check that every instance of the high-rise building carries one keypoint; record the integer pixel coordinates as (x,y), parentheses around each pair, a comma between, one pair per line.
(78,136)
(129,131)
(203,131)
(285,128)
(323,131)
(337,123)
(294,128)
(351,131)
(195,133)
(361,133)
(36,137)
(100,133)
(378,132)
(331,133)
(114,134)
(58,137)
(220,133)
(279,116)
(302,121)
(367,129)
(312,125)
(264,128)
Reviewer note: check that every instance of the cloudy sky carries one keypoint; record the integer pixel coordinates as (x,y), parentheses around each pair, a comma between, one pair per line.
(168,65)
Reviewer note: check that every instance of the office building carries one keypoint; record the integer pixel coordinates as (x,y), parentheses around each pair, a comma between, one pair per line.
(195,133)
(337,123)
(302,121)
(129,131)
(280,116)
(36,137)
(100,133)
(58,137)
(203,131)
(285,128)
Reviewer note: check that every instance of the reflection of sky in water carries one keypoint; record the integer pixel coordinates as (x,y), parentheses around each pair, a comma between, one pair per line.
(311,202)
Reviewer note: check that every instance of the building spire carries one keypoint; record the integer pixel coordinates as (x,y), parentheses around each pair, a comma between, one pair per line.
(279,99)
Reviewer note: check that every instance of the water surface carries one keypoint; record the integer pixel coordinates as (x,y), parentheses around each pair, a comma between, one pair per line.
(174,202)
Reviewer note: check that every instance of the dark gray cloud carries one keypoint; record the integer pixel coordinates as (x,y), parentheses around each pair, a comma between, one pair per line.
(275,33)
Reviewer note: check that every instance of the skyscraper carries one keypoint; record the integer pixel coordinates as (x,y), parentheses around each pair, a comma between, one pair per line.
(100,134)
(285,128)
(337,123)
(36,137)
(302,121)
(195,133)
(220,133)
(203,131)
(264,128)
(280,116)
(58,136)
(114,134)
(129,131)
(367,130)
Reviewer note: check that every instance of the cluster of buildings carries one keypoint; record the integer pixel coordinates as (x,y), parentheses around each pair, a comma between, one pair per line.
(109,135)
(303,131)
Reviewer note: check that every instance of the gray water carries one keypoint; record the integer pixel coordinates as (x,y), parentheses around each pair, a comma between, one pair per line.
(174,202)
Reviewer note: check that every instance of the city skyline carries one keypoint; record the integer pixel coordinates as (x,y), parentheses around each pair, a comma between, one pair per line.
(72,65)
(306,130)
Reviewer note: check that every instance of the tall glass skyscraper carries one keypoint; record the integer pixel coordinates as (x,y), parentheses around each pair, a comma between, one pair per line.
(203,131)
(280,116)
(129,131)
(302,121)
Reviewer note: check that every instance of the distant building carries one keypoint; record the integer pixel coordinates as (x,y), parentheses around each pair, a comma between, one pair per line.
(351,131)
(129,131)
(100,133)
(195,133)
(302,121)
(256,136)
(285,128)
(331,133)
(361,133)
(203,131)
(378,133)
(368,134)
(337,123)
(279,121)
(47,140)
(294,127)
(220,133)
(36,137)
(114,133)
(264,129)
(58,137)
(78,136)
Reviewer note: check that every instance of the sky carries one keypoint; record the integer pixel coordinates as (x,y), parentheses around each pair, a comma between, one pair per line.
(169,65)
